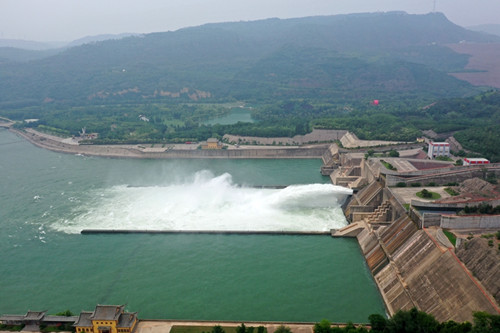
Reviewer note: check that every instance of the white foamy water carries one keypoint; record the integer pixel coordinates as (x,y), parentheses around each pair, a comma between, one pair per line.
(207,202)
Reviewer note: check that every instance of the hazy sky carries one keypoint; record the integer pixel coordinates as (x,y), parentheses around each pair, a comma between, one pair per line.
(66,20)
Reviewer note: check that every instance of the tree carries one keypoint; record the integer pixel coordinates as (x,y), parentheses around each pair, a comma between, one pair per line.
(486,323)
(426,194)
(377,322)
(66,313)
(369,153)
(217,329)
(454,327)
(413,321)
(241,328)
(283,329)
(324,326)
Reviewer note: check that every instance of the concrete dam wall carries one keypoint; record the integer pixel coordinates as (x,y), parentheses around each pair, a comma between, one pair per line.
(412,269)
(240,153)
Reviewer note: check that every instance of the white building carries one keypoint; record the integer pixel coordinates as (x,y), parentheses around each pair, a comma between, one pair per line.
(475,161)
(438,149)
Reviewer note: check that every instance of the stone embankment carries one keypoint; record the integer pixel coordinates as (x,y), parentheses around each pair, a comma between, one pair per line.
(184,151)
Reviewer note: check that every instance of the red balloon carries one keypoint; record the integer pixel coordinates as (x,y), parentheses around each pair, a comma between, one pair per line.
(375,102)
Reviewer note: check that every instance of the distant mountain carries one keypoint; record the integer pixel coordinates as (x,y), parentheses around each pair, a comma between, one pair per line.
(33,45)
(347,56)
(12,50)
(30,45)
(98,38)
(493,29)
(11,54)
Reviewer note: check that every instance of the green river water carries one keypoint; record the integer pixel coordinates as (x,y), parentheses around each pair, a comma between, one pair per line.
(47,198)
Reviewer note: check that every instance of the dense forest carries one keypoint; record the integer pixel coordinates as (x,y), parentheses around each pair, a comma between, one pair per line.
(298,74)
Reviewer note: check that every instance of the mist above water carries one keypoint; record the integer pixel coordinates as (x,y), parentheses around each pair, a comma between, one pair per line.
(208,202)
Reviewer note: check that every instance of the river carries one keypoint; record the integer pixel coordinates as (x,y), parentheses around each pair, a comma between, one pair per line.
(47,198)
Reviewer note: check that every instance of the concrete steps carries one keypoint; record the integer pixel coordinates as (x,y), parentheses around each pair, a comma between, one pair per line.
(352,230)
(380,214)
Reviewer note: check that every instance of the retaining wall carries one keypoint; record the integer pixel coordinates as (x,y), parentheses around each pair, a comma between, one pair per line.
(431,220)
(470,222)
(456,174)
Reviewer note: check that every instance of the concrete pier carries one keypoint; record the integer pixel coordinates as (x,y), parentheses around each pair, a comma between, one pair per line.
(203,232)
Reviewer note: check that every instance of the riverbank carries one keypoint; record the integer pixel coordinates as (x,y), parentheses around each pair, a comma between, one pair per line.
(70,146)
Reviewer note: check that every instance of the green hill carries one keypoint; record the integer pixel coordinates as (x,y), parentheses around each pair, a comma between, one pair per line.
(218,58)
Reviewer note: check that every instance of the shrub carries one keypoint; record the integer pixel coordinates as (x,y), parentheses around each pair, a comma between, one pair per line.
(425,194)
(393,153)
(415,184)
(451,191)
(443,158)
(401,184)
(451,237)
(388,166)
(12,328)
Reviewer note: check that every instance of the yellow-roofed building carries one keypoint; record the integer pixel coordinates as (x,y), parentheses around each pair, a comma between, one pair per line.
(212,143)
(106,319)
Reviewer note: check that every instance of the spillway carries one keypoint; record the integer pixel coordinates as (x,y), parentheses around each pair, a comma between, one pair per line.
(207,203)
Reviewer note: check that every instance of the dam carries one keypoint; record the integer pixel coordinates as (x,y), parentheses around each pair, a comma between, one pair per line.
(413,266)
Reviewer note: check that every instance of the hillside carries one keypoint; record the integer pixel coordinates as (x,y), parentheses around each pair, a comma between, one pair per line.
(217,58)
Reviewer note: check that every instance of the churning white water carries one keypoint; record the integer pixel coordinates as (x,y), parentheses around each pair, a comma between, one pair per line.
(208,202)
